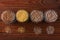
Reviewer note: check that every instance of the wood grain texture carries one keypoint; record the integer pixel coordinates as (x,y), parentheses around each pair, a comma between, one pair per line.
(30,5)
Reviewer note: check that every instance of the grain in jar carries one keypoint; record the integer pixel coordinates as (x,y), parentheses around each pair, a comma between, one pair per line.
(36,16)
(51,16)
(7,16)
(22,15)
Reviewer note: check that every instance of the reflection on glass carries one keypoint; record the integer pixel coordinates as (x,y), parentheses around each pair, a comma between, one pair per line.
(37,30)
(7,29)
(50,29)
(21,30)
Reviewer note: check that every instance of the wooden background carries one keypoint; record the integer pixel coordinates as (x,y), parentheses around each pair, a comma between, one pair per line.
(30,5)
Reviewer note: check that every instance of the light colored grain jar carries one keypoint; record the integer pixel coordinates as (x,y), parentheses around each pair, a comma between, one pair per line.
(51,16)
(36,16)
(22,15)
(7,16)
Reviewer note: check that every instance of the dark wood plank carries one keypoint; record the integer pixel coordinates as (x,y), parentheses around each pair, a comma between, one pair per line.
(30,5)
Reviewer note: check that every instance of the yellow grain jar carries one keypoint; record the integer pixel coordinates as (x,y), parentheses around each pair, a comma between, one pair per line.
(22,15)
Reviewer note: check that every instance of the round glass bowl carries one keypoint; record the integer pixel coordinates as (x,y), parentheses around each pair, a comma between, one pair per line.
(22,15)
(37,30)
(21,30)
(7,16)
(50,29)
(51,16)
(36,16)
